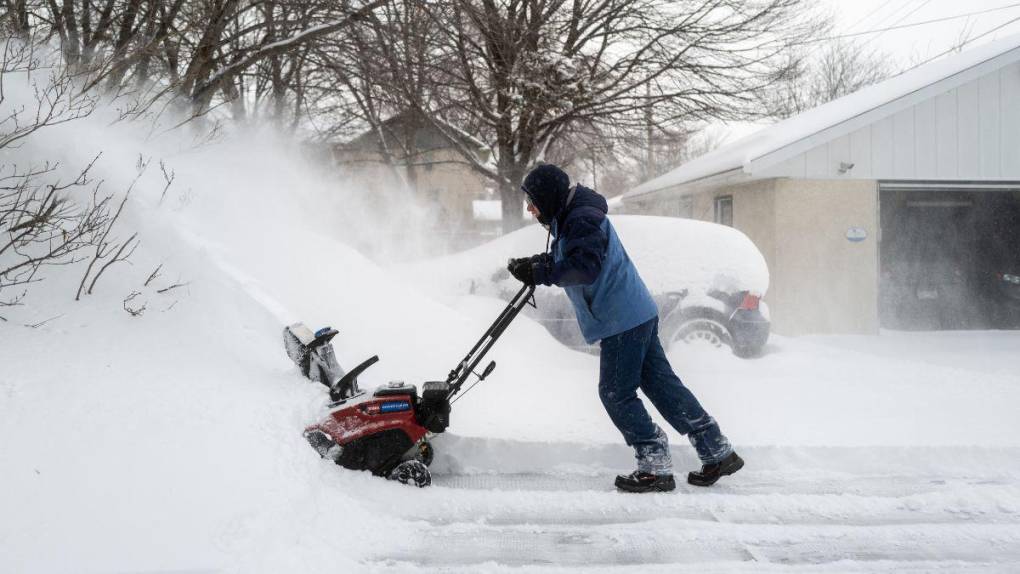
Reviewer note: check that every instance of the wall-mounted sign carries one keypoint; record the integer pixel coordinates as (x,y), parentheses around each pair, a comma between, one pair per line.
(856,234)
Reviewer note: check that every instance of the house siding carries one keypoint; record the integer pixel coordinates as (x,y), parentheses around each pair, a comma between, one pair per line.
(969,132)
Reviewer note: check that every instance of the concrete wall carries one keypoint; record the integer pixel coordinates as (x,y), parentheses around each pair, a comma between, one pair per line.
(821,281)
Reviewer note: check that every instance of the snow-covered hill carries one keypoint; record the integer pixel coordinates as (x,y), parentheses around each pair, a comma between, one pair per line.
(171,441)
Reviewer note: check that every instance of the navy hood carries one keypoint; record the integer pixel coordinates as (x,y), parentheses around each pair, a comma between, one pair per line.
(547,186)
(587,197)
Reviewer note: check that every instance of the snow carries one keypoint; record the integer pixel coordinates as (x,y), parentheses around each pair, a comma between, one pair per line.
(172,441)
(671,254)
(487,209)
(742,152)
(492,209)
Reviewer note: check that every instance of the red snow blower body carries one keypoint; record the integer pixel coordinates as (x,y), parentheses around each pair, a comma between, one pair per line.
(386,431)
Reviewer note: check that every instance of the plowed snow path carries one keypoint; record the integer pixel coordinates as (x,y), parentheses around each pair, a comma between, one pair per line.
(832,509)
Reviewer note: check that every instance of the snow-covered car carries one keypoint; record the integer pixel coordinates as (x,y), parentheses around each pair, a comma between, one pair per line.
(707,279)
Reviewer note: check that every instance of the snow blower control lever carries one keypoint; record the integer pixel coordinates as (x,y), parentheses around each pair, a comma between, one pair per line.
(458,376)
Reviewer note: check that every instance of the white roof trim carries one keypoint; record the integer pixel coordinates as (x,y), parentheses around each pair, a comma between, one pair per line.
(795,135)
(715,180)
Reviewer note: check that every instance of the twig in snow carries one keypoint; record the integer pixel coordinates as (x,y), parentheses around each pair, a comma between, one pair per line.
(41,323)
(168,178)
(154,275)
(133,311)
(174,286)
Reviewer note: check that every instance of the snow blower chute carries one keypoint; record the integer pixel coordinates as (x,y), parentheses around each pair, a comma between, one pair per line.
(386,431)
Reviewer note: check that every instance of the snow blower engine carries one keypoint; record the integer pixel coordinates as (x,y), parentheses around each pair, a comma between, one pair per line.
(386,431)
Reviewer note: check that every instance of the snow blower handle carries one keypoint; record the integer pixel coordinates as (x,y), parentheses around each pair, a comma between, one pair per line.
(466,367)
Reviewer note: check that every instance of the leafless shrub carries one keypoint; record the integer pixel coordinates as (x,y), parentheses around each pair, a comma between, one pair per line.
(48,218)
(109,251)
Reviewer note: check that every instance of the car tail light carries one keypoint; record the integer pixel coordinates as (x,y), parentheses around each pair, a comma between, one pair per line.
(750,302)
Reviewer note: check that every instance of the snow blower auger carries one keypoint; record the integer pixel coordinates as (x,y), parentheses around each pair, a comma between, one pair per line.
(387,431)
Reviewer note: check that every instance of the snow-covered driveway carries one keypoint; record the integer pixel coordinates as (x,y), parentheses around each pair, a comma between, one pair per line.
(833,509)
(830,493)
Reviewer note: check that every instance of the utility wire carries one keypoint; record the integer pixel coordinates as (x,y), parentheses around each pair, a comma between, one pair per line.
(902,18)
(914,24)
(866,16)
(962,44)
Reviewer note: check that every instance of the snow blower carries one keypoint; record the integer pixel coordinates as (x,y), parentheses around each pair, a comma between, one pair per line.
(386,431)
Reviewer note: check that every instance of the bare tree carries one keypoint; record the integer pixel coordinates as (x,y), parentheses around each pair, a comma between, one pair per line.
(204,53)
(524,74)
(385,66)
(839,69)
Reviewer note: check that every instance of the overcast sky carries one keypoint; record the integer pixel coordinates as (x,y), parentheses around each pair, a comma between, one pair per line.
(916,43)
(910,44)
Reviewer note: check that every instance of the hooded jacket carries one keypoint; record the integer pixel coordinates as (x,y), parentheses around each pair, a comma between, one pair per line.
(590,263)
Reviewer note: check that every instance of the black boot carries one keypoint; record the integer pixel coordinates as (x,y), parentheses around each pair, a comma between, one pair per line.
(644,482)
(710,473)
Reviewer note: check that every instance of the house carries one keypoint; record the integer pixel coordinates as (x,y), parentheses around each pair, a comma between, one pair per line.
(424,163)
(897,206)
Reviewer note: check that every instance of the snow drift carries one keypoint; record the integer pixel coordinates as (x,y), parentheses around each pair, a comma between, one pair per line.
(171,440)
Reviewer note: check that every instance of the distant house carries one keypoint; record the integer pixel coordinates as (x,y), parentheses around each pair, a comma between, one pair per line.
(425,163)
(897,206)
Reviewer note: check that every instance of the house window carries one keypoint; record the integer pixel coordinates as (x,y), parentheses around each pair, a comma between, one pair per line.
(724,210)
(685,207)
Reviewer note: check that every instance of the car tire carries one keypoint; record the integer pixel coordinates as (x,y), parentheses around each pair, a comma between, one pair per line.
(699,325)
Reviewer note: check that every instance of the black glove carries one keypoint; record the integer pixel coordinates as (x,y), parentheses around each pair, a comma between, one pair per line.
(522,270)
(541,259)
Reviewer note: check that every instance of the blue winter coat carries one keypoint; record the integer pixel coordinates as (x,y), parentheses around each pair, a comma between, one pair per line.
(590,263)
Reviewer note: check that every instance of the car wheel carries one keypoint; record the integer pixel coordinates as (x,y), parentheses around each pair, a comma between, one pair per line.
(701,327)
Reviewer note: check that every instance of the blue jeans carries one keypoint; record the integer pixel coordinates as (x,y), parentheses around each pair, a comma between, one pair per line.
(635,359)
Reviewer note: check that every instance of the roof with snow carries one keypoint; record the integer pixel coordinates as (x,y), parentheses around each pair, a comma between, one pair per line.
(783,140)
(427,137)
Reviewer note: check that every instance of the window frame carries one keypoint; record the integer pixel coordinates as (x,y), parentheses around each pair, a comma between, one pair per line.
(721,216)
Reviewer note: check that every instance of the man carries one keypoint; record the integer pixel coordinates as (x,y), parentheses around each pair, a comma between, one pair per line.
(614,306)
